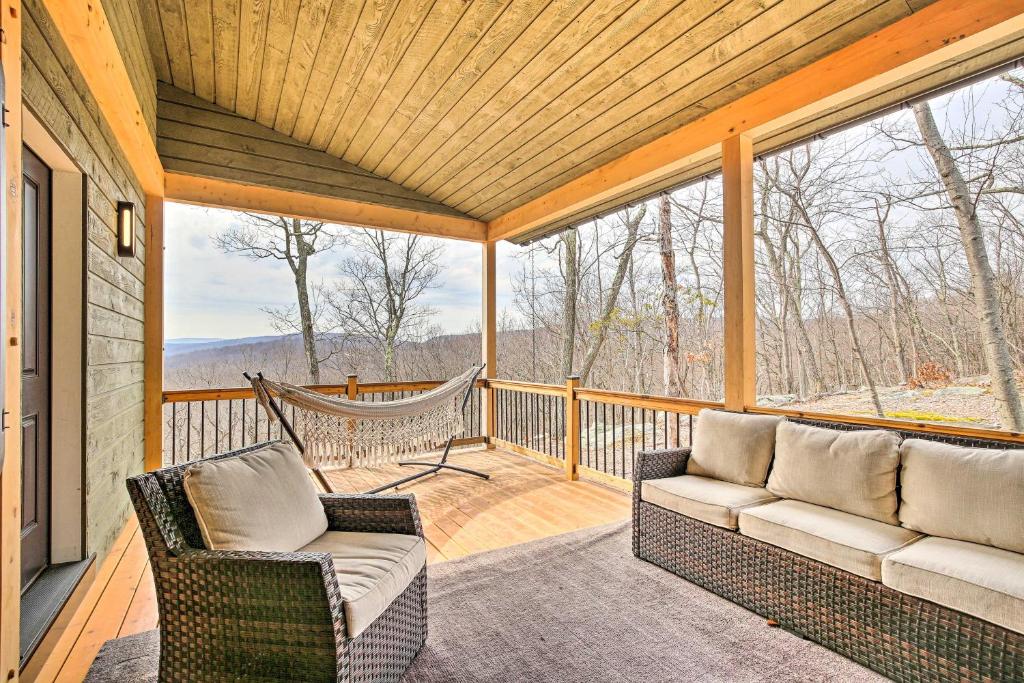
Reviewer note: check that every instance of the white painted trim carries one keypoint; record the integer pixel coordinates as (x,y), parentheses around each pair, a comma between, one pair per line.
(67,367)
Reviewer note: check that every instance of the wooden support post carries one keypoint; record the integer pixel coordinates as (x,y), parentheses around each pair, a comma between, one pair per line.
(10,479)
(153,334)
(738,270)
(488,339)
(572,429)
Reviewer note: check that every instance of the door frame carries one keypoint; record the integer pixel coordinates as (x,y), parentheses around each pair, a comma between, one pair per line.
(68,334)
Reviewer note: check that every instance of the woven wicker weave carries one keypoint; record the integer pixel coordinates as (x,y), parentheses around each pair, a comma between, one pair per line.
(261,616)
(897,635)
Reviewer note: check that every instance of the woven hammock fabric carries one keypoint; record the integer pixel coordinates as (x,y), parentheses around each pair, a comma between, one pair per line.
(338,432)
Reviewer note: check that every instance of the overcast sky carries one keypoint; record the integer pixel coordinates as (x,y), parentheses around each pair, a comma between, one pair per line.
(211,294)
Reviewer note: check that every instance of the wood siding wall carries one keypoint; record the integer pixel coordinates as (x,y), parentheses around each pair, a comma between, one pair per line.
(56,93)
(127,26)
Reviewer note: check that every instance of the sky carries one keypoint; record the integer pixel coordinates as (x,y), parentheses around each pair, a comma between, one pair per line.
(214,295)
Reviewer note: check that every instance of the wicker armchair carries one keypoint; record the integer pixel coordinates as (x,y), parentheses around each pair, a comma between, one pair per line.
(243,615)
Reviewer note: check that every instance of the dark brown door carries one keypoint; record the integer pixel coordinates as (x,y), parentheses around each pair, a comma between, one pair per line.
(35,371)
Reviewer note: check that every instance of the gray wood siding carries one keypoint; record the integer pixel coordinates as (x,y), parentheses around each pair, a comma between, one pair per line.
(56,93)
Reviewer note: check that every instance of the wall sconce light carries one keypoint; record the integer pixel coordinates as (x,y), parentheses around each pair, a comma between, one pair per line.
(125,229)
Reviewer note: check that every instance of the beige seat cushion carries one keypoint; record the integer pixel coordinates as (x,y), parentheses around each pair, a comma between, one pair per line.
(977,579)
(853,471)
(968,494)
(263,500)
(709,500)
(846,541)
(733,447)
(373,569)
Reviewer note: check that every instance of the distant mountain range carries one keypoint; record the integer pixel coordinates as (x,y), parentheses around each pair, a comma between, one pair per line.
(176,347)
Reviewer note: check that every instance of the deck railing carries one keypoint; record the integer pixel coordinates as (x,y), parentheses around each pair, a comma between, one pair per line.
(590,432)
(530,419)
(201,422)
(615,426)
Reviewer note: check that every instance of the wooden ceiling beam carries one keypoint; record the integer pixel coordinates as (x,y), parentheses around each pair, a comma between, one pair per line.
(227,194)
(939,32)
(87,34)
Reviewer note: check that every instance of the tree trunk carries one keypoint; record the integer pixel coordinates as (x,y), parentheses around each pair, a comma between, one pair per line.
(889,267)
(302,291)
(804,346)
(669,299)
(844,301)
(569,239)
(983,280)
(608,309)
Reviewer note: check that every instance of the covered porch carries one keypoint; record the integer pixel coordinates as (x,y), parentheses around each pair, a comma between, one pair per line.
(202,105)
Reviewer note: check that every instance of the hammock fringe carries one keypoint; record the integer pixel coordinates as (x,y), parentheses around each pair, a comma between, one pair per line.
(338,432)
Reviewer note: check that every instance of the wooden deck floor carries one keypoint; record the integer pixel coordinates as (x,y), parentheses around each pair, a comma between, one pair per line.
(523,501)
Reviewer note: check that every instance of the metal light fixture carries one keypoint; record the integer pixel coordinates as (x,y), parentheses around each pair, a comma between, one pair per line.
(125,229)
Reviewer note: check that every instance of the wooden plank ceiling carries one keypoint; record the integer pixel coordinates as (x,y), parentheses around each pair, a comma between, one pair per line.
(483,105)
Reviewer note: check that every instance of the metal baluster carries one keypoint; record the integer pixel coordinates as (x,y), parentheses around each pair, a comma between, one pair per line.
(643,429)
(546,400)
(174,433)
(516,422)
(633,438)
(188,432)
(589,432)
(622,458)
(604,437)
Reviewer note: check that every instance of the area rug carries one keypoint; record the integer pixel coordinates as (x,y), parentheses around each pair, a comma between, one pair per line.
(572,608)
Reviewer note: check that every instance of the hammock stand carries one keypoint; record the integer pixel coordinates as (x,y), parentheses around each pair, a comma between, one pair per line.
(432,466)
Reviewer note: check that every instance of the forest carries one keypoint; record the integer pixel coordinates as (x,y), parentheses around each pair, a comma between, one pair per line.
(889,263)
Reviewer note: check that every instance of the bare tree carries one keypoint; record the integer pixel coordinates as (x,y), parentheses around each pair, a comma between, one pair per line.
(631,220)
(983,280)
(569,245)
(383,277)
(799,187)
(669,299)
(294,241)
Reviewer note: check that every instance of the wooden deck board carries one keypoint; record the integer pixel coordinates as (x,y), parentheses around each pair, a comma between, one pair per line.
(523,501)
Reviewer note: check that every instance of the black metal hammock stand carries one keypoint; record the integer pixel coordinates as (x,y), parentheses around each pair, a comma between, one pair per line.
(341,432)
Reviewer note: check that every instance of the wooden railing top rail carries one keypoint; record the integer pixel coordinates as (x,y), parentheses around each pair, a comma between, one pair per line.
(224,394)
(530,387)
(687,406)
(388,387)
(893,423)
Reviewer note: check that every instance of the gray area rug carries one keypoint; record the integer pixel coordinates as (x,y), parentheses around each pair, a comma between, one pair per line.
(572,608)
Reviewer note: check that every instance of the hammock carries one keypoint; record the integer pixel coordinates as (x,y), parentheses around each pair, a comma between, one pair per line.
(338,432)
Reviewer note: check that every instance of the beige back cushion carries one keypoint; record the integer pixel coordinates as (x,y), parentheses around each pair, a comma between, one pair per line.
(734,447)
(263,500)
(852,471)
(967,494)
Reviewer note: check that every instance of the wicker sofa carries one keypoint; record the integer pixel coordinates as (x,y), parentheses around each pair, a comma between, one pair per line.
(281,616)
(848,608)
